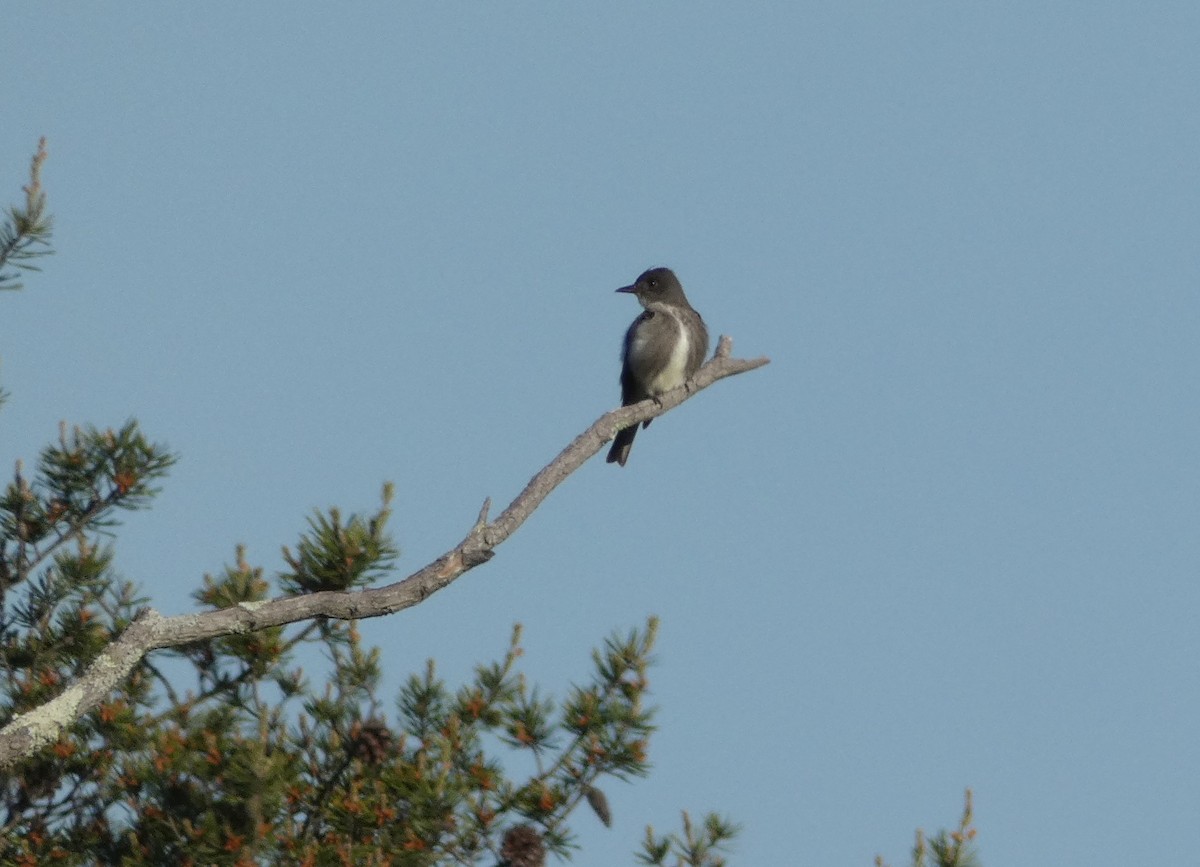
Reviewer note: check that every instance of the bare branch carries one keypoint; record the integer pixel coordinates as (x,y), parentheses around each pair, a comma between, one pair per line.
(31,731)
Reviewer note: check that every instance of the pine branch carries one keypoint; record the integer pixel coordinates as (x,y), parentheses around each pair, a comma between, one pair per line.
(38,728)
(26,229)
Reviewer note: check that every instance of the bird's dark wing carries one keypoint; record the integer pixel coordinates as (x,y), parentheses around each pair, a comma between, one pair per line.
(698,348)
(634,369)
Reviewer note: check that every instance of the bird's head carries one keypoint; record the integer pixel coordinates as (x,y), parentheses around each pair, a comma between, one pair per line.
(658,285)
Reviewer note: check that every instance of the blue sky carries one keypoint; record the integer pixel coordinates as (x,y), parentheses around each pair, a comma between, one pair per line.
(948,538)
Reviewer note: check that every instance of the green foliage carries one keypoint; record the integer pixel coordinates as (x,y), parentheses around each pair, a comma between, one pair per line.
(339,555)
(947,848)
(25,232)
(695,847)
(252,763)
(78,486)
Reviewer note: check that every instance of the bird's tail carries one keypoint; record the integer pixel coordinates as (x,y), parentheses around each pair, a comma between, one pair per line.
(622,443)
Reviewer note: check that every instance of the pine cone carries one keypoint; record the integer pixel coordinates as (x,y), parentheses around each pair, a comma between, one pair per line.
(370,741)
(523,847)
(599,804)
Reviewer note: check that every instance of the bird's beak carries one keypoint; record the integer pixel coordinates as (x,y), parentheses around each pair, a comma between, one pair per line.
(628,288)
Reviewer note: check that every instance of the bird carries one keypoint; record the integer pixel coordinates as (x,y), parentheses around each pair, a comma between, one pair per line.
(662,349)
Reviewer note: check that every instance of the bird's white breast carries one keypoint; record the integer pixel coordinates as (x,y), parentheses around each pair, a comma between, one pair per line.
(674,372)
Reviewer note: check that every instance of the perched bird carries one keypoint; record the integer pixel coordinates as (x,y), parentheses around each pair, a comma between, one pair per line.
(663,347)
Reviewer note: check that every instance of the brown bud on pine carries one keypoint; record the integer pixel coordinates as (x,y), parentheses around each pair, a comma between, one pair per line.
(523,847)
(599,804)
(370,741)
